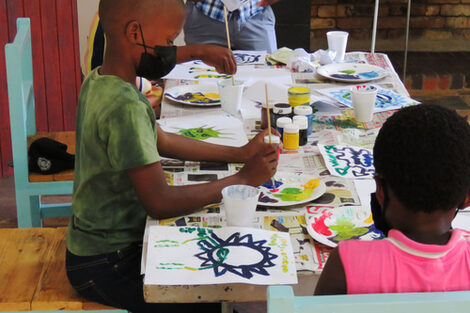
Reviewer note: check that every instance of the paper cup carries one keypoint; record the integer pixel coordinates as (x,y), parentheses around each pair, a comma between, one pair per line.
(230,95)
(239,202)
(363,99)
(337,41)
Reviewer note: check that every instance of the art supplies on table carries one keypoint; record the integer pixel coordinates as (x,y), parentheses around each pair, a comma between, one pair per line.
(386,99)
(197,255)
(219,128)
(290,189)
(330,225)
(199,95)
(348,161)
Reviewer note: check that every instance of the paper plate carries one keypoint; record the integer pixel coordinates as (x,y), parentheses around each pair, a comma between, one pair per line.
(200,95)
(290,189)
(330,225)
(352,72)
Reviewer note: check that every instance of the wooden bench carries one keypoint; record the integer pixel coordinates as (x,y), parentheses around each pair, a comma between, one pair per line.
(33,276)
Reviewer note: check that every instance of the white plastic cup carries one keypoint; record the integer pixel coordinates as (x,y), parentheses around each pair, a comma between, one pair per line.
(240,203)
(230,95)
(363,99)
(337,41)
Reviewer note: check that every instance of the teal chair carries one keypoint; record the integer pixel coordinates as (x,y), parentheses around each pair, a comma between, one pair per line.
(19,65)
(281,299)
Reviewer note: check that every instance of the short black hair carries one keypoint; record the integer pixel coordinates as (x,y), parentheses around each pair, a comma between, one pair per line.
(422,153)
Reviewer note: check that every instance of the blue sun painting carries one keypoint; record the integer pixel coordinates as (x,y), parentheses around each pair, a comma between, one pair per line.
(200,255)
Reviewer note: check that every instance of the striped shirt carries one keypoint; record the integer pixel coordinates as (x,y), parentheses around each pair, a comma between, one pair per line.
(215,10)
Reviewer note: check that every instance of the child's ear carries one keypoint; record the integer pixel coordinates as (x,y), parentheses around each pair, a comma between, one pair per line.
(379,192)
(133,32)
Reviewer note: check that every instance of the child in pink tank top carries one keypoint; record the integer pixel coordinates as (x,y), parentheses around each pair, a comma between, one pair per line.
(422,163)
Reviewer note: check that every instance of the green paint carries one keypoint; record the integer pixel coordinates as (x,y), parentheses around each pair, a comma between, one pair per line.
(348,71)
(345,229)
(200,133)
(294,194)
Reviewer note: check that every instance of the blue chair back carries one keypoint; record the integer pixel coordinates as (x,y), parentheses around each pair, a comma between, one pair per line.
(19,66)
(281,299)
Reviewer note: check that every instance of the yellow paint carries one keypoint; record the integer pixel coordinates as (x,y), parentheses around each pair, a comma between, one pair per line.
(369,220)
(298,96)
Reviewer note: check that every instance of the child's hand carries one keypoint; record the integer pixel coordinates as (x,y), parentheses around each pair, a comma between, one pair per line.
(253,147)
(219,57)
(261,166)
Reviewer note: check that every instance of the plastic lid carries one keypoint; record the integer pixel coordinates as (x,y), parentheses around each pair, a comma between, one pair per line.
(291,129)
(282,108)
(274,139)
(301,121)
(283,121)
(303,110)
(298,90)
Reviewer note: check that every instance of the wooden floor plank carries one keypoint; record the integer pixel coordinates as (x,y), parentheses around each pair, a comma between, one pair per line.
(22,260)
(54,291)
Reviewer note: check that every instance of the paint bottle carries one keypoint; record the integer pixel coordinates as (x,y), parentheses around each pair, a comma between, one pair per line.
(291,137)
(302,122)
(305,110)
(282,110)
(264,117)
(281,122)
(298,96)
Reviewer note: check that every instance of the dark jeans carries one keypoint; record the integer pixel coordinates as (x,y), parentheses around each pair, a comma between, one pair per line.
(114,279)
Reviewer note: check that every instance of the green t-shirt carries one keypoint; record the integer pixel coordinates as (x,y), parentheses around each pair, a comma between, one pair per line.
(115,131)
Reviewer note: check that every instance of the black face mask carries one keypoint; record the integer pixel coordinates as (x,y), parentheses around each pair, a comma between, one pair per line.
(156,66)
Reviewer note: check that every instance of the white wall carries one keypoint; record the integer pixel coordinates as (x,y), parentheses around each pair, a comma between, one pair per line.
(86,12)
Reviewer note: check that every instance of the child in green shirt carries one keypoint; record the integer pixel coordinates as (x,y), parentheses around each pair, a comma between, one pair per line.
(118,176)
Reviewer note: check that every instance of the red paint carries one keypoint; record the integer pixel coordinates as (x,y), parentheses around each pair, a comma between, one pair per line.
(274,190)
(320,226)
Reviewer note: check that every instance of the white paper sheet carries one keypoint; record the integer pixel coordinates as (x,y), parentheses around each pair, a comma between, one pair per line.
(348,161)
(222,129)
(364,187)
(194,255)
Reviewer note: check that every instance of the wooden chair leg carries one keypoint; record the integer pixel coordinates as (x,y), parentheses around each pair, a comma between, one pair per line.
(28,212)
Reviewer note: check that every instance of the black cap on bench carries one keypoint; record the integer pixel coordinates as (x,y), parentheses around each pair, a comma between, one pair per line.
(48,156)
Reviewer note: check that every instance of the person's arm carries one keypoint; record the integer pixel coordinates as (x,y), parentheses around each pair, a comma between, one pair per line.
(219,57)
(332,280)
(162,201)
(182,148)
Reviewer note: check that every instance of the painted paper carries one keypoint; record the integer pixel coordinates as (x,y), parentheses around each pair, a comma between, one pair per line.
(197,255)
(222,129)
(348,161)
(386,99)
(330,225)
(247,57)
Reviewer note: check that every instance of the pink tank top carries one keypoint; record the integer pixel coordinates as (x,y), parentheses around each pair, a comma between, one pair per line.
(398,264)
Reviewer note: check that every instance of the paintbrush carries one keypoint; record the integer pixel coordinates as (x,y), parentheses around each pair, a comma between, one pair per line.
(268,115)
(228,37)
